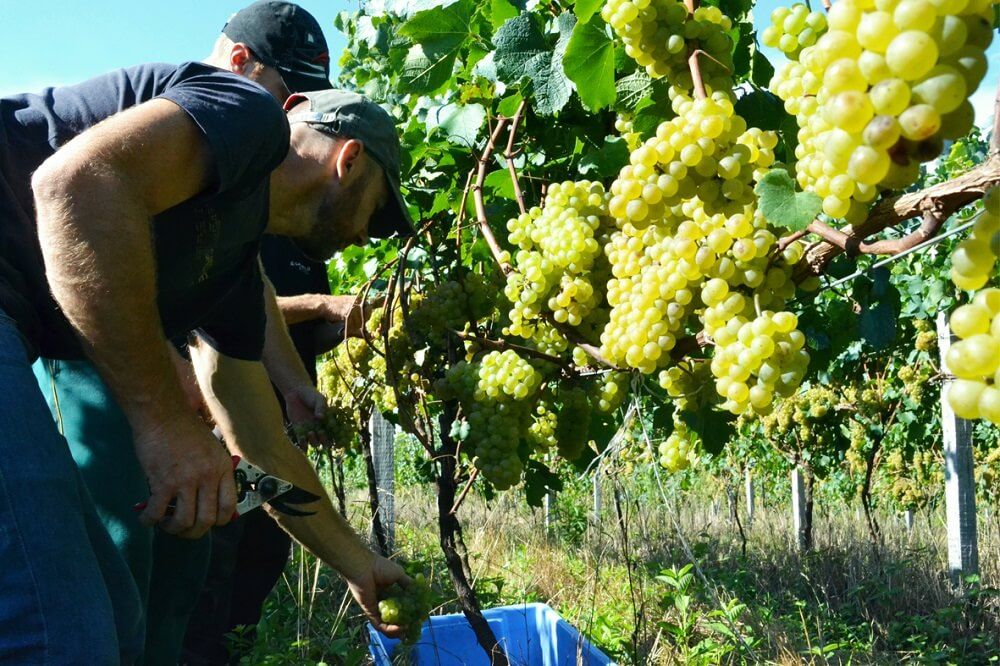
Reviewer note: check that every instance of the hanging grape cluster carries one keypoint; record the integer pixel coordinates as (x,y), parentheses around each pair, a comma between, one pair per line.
(878,93)
(559,267)
(793,29)
(678,449)
(658,33)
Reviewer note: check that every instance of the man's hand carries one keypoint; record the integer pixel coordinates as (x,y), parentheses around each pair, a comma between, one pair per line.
(186,464)
(306,408)
(366,583)
(348,310)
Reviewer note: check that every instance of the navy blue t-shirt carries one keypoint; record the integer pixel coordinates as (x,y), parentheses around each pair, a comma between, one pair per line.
(206,248)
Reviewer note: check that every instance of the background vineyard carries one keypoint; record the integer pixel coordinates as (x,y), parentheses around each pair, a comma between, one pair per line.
(558,446)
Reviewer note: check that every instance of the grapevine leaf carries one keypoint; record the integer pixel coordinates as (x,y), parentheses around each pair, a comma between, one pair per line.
(502,10)
(605,161)
(539,480)
(762,109)
(589,62)
(584,9)
(499,185)
(437,34)
(880,306)
(761,69)
(508,107)
(782,206)
(522,52)
(713,427)
(632,89)
(663,420)
(459,124)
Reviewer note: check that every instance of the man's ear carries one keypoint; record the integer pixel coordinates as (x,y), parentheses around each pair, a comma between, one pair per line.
(239,58)
(348,159)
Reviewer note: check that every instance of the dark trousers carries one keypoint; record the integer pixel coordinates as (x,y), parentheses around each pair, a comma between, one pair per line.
(248,556)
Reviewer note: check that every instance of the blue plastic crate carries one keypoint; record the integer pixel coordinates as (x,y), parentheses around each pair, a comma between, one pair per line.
(531,634)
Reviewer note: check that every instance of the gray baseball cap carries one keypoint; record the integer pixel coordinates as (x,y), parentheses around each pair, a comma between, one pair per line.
(347,114)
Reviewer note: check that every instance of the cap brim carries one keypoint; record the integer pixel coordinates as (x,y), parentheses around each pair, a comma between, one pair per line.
(394,219)
(304,79)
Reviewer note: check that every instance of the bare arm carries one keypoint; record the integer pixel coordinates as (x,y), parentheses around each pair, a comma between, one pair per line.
(94,200)
(239,387)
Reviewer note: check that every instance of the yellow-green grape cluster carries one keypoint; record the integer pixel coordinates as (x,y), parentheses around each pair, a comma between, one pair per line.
(407,607)
(448,305)
(793,28)
(808,418)
(609,391)
(706,151)
(574,422)
(880,91)
(558,262)
(496,394)
(677,449)
(975,358)
(755,359)
(914,480)
(626,130)
(688,383)
(974,259)
(659,34)
(542,431)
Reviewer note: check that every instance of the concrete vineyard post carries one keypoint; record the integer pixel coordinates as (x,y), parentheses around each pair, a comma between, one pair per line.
(959,483)
(908,519)
(799,508)
(383,437)
(748,482)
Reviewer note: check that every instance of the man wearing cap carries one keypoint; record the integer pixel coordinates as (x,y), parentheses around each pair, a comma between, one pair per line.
(131,208)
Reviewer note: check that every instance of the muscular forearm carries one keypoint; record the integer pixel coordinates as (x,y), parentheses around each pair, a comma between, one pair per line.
(243,405)
(304,307)
(97,246)
(284,366)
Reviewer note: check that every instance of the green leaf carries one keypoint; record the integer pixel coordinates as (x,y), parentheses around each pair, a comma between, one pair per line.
(589,62)
(522,52)
(782,206)
(632,89)
(714,427)
(761,69)
(502,10)
(438,35)
(584,9)
(508,107)
(539,480)
(499,184)
(761,109)
(605,161)
(459,124)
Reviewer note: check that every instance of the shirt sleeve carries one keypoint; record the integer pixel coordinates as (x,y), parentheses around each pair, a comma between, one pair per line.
(236,327)
(245,126)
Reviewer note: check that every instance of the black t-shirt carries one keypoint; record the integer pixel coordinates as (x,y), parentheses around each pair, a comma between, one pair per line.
(293,274)
(206,248)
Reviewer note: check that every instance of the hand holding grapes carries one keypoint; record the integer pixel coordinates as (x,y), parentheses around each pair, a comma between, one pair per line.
(370,581)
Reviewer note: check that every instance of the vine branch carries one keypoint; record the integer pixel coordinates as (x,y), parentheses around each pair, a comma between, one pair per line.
(477,197)
(509,155)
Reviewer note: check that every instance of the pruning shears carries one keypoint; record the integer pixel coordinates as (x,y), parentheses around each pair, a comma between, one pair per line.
(255,487)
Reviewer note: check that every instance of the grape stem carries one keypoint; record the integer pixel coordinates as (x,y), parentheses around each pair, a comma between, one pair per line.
(477,198)
(503,345)
(465,490)
(693,64)
(509,155)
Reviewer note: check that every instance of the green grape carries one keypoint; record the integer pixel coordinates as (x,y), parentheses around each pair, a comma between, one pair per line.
(677,450)
(911,54)
(407,607)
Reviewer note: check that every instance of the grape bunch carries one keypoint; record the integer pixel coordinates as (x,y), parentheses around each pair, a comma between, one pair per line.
(757,359)
(497,394)
(974,259)
(448,305)
(878,93)
(810,418)
(658,35)
(688,382)
(609,391)
(559,267)
(677,450)
(408,607)
(574,422)
(793,29)
(975,358)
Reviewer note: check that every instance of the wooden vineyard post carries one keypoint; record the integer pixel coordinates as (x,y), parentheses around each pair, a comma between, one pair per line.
(748,483)
(383,436)
(959,483)
(799,509)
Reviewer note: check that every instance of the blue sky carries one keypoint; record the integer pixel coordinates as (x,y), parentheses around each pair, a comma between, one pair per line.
(52,42)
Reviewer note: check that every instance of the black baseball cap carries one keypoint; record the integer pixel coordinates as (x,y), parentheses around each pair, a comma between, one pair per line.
(284,36)
(347,114)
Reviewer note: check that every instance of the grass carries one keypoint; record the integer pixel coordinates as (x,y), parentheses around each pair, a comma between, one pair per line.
(626,583)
